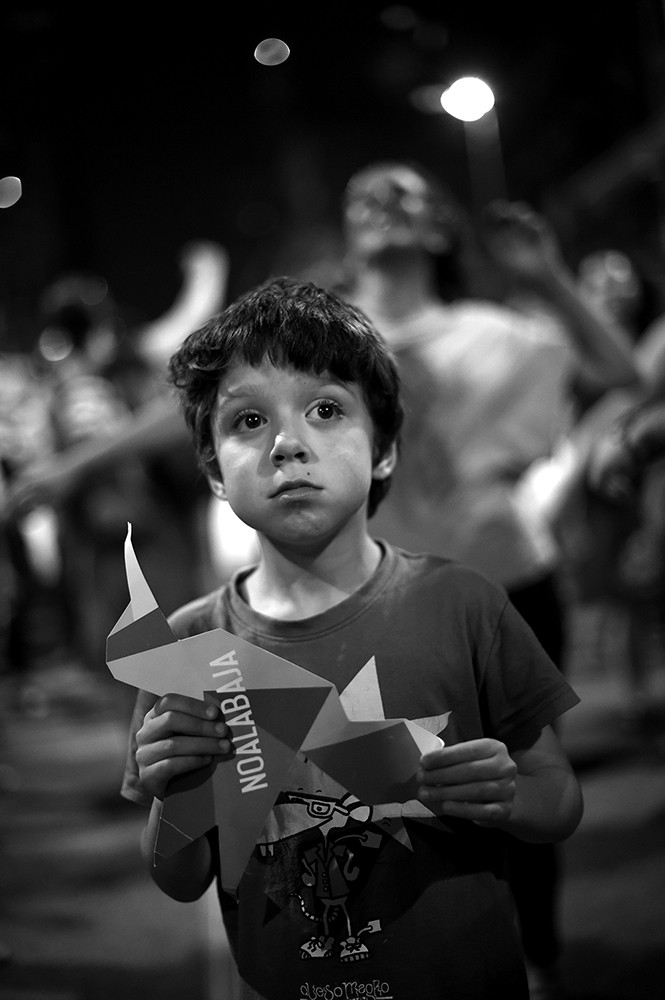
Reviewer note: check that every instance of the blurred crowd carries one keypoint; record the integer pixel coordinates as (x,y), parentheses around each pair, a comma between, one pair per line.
(90,373)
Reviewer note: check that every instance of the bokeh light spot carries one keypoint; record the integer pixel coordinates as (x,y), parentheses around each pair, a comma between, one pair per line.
(10,191)
(468,99)
(272,52)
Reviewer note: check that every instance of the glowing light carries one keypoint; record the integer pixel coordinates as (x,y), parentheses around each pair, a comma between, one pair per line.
(272,52)
(468,99)
(10,191)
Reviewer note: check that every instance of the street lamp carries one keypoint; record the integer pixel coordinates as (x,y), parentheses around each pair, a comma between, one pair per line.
(471,100)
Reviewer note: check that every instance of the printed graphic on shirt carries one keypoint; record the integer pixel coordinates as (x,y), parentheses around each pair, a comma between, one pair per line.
(328,872)
(321,843)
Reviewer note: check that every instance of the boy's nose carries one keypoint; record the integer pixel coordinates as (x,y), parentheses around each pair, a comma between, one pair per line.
(287,447)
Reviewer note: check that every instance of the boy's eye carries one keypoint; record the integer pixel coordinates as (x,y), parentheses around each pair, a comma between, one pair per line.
(325,409)
(248,420)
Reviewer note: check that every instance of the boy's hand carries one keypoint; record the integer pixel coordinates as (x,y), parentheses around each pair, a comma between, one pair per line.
(473,780)
(179,734)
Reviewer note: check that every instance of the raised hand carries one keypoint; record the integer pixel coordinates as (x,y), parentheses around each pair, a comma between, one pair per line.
(521,240)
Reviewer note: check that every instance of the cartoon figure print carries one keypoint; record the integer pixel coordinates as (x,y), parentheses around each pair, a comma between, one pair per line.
(328,870)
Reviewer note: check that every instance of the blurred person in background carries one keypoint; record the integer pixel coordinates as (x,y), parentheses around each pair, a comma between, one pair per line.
(617,288)
(30,628)
(488,393)
(156,429)
(612,526)
(613,546)
(489,386)
(116,457)
(94,377)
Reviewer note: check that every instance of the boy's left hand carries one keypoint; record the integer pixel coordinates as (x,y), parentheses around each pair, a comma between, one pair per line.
(474,780)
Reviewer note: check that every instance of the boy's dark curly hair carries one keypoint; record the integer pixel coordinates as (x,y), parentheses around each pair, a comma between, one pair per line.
(298,325)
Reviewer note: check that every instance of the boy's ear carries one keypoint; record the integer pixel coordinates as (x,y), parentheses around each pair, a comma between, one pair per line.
(386,464)
(217,487)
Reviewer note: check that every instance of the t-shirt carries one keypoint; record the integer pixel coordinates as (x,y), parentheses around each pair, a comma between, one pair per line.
(486,393)
(340,899)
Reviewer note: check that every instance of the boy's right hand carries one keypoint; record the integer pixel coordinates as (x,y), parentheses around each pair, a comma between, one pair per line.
(179,734)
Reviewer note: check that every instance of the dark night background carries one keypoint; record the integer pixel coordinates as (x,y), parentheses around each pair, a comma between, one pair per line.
(134,131)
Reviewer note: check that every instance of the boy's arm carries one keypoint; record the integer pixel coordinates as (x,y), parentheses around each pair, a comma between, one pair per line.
(548,802)
(532,794)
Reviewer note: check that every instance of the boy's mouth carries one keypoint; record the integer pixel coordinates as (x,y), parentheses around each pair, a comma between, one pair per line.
(294,486)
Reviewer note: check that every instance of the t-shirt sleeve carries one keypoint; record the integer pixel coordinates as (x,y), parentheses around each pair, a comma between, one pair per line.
(523,690)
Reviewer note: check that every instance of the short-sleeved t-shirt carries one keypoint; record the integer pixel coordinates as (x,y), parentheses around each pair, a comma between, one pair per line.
(341,899)
(486,393)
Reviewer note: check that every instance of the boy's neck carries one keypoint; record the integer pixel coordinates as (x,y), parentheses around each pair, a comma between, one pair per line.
(290,586)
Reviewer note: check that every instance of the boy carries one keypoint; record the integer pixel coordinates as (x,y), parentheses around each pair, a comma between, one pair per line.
(293,401)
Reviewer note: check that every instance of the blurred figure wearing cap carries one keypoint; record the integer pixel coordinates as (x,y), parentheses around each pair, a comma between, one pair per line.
(487,389)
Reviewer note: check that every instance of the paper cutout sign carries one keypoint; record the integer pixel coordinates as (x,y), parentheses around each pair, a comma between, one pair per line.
(274,709)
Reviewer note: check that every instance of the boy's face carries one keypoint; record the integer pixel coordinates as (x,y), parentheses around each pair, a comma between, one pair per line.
(295,451)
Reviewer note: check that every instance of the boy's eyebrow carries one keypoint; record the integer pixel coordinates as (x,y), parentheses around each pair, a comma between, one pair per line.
(243,389)
(225,398)
(231,392)
(238,390)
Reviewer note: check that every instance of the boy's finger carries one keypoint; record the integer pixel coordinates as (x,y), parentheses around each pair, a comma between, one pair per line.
(458,753)
(173,725)
(172,702)
(183,747)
